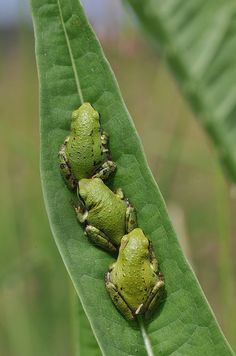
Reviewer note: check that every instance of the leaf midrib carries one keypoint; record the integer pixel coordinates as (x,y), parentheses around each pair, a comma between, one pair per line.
(71,54)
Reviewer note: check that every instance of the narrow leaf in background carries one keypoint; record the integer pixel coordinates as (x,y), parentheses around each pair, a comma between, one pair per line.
(198,40)
(72,69)
(84,341)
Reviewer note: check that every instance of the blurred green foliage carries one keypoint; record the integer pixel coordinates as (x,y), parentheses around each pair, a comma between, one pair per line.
(36,317)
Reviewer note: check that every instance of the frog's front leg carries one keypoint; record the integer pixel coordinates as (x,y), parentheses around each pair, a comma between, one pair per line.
(81,212)
(130,216)
(131,220)
(106,169)
(154,296)
(152,258)
(64,166)
(104,140)
(117,299)
(119,193)
(99,238)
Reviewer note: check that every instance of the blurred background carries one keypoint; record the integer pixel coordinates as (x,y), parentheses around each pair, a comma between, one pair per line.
(36,296)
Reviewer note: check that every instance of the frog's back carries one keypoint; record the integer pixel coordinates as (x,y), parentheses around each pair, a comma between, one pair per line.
(133,282)
(84,148)
(108,214)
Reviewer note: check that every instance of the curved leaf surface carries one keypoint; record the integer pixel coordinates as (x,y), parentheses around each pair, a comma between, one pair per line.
(72,68)
(198,40)
(84,342)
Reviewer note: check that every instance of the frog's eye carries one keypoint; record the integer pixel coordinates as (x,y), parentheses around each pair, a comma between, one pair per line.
(74,115)
(96,115)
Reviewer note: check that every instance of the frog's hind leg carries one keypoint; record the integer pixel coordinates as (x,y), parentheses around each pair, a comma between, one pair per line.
(99,239)
(154,297)
(64,166)
(130,215)
(117,299)
(106,169)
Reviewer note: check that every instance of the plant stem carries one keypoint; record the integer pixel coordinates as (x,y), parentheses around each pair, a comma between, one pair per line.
(146,339)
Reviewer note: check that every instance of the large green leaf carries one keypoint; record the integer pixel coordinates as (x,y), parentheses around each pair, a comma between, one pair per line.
(72,68)
(198,40)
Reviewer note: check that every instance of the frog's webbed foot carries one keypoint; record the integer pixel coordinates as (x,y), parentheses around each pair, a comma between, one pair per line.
(117,299)
(106,169)
(99,238)
(154,296)
(65,168)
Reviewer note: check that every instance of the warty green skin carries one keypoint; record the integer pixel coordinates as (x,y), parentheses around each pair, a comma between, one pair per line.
(107,216)
(84,152)
(133,281)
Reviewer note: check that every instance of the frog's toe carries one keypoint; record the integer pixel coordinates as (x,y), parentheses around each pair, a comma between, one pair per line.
(119,193)
(140,309)
(81,213)
(104,137)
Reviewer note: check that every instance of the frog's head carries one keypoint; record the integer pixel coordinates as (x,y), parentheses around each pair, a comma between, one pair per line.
(85,111)
(135,243)
(88,190)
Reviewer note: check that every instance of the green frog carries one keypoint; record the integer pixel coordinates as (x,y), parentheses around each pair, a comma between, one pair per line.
(107,216)
(133,281)
(85,152)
